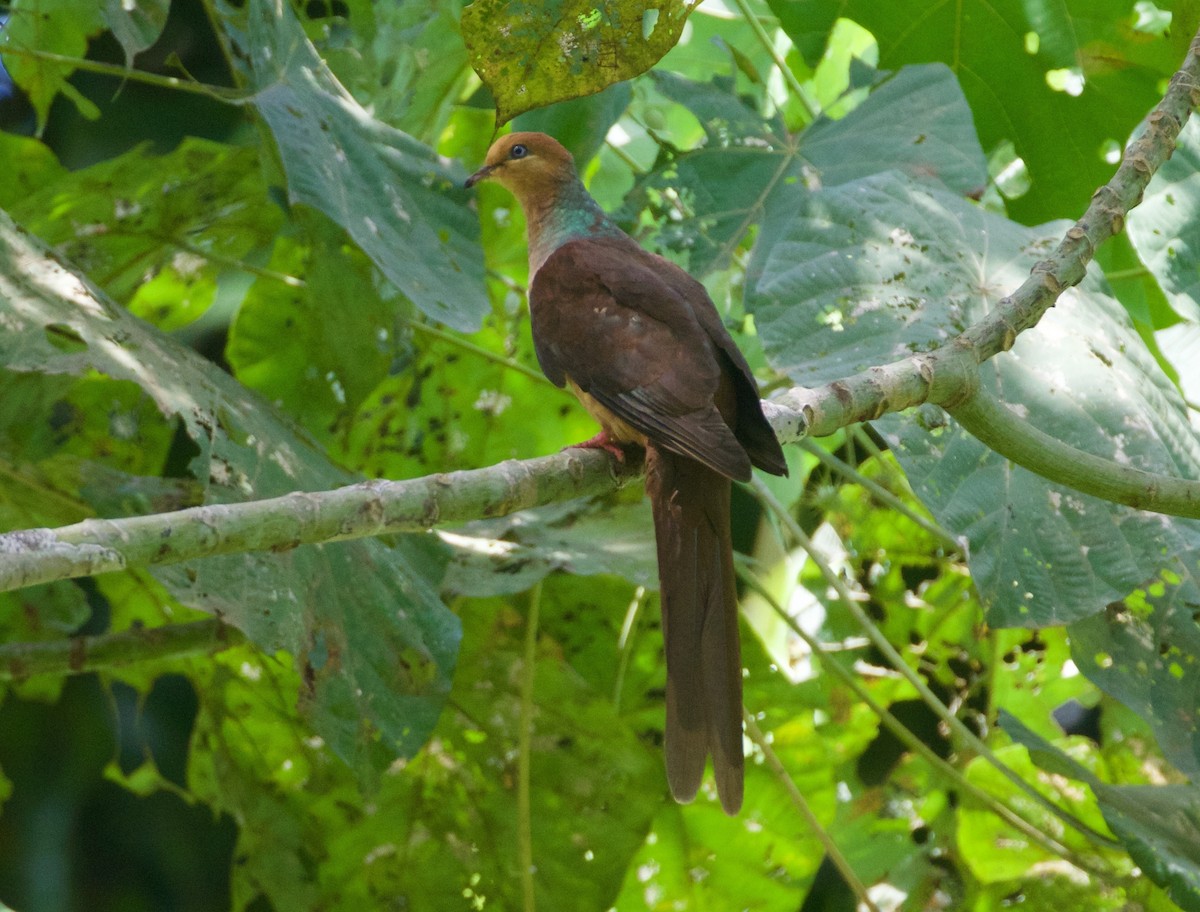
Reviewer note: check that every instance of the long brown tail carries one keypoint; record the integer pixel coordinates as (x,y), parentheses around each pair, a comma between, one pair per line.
(700,625)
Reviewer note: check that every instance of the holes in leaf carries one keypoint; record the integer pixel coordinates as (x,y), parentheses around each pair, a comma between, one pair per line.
(1068,79)
(65,338)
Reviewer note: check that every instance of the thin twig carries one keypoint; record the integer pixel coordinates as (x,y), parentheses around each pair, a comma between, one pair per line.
(857,887)
(117,71)
(880,493)
(785,71)
(880,642)
(919,747)
(524,752)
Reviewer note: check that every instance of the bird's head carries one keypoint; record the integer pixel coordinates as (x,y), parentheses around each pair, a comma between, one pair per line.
(527,164)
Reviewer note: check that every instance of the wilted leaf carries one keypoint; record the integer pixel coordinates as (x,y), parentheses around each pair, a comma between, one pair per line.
(534,54)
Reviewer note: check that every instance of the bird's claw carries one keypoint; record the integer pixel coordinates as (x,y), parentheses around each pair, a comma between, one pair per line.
(602,442)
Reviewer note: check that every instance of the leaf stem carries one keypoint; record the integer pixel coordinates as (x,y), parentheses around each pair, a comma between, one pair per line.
(478,351)
(118,71)
(524,741)
(835,854)
(785,71)
(919,747)
(625,642)
(879,492)
(880,642)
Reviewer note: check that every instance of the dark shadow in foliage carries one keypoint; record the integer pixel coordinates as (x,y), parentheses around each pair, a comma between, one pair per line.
(69,839)
(128,109)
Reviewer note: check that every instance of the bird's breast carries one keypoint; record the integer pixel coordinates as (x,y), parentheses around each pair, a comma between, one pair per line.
(619,430)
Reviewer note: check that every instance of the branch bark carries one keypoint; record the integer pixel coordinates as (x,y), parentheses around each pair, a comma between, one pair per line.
(82,654)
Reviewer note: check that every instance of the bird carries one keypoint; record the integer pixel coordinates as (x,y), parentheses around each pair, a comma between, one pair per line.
(640,343)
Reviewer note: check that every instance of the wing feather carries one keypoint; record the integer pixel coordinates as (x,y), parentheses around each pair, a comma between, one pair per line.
(605,316)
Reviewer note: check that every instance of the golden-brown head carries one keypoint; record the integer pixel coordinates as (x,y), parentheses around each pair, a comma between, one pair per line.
(529,165)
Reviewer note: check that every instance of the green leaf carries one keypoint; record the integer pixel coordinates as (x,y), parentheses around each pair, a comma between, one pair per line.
(1163,227)
(29,166)
(419,65)
(530,55)
(994,850)
(374,643)
(345,351)
(60,27)
(158,232)
(1019,45)
(135,25)
(580,124)
(916,122)
(508,555)
(1143,651)
(401,203)
(695,857)
(808,23)
(867,273)
(1160,824)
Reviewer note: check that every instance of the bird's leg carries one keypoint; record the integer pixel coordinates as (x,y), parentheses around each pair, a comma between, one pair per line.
(603,442)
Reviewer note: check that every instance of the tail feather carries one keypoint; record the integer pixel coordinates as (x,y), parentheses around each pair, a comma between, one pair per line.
(700,625)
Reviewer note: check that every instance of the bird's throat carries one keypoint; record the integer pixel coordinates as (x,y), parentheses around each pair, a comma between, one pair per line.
(553,219)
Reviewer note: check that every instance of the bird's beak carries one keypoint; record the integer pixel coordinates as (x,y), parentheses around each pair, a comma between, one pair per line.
(482,174)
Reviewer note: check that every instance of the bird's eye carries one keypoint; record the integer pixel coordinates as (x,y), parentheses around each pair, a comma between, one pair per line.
(518,151)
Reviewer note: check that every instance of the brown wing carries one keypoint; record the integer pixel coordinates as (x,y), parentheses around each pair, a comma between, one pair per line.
(639,339)
(751,427)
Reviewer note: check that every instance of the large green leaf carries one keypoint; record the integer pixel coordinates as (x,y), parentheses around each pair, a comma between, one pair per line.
(509,555)
(917,122)
(1143,651)
(1159,825)
(1004,53)
(1163,227)
(405,62)
(447,821)
(867,273)
(374,644)
(344,352)
(533,54)
(981,830)
(808,23)
(400,202)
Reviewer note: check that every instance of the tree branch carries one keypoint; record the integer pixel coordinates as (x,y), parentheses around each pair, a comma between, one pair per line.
(948,376)
(81,654)
(372,508)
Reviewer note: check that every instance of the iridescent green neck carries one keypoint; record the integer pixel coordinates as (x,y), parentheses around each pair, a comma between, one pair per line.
(567,215)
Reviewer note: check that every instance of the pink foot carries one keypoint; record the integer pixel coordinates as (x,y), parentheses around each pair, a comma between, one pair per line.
(602,442)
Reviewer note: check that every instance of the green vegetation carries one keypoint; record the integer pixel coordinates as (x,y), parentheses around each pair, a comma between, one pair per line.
(238,272)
